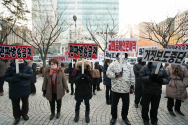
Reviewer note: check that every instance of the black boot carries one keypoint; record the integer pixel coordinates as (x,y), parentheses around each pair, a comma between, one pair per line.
(58,115)
(112,121)
(94,93)
(16,121)
(179,112)
(87,117)
(76,116)
(172,113)
(72,92)
(25,117)
(136,105)
(51,116)
(146,123)
(127,121)
(107,102)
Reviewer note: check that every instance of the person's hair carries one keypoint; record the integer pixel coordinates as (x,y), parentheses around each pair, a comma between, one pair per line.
(75,60)
(96,65)
(106,61)
(126,55)
(55,61)
(62,65)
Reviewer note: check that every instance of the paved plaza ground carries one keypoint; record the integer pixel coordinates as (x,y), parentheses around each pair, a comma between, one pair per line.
(39,110)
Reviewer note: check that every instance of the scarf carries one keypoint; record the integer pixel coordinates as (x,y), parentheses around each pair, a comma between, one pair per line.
(85,72)
(177,71)
(53,74)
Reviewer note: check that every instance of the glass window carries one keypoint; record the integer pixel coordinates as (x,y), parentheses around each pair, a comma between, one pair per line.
(50,0)
(43,6)
(42,0)
(46,0)
(35,6)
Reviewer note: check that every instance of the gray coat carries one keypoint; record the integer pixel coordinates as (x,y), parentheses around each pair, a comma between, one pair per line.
(4,64)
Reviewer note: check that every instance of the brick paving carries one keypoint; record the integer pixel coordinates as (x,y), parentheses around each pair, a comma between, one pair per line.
(39,110)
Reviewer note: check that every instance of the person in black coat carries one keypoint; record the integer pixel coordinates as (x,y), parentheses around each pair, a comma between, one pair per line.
(138,83)
(152,89)
(33,80)
(70,69)
(100,68)
(83,88)
(107,81)
(19,88)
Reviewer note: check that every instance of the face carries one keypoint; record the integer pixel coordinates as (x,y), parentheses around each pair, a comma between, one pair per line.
(53,64)
(142,61)
(20,60)
(120,54)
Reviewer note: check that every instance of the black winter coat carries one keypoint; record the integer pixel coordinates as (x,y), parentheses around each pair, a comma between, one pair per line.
(33,78)
(21,88)
(153,87)
(70,69)
(83,87)
(106,80)
(136,68)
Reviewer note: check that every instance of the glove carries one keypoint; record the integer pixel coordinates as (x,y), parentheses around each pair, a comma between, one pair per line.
(119,74)
(153,76)
(67,91)
(83,75)
(44,93)
(18,75)
(131,89)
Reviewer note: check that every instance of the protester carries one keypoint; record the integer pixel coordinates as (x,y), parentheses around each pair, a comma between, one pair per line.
(54,86)
(70,69)
(152,89)
(138,83)
(95,81)
(176,89)
(19,88)
(33,80)
(99,67)
(122,80)
(4,64)
(107,81)
(83,88)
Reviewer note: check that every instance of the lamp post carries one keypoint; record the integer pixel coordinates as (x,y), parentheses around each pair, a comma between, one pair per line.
(75,18)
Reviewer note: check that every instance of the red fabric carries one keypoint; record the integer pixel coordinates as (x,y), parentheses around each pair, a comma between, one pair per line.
(53,74)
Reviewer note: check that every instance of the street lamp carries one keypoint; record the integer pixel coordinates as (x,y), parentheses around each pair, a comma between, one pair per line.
(75,18)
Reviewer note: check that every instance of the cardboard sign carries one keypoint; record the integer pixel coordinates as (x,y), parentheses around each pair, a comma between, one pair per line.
(122,45)
(110,55)
(16,52)
(165,56)
(178,46)
(141,50)
(99,58)
(59,58)
(83,50)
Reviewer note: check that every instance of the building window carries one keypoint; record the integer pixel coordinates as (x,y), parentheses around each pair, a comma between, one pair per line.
(42,0)
(50,0)
(43,6)
(35,6)
(46,0)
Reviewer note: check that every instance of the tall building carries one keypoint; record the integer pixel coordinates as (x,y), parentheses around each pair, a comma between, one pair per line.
(99,11)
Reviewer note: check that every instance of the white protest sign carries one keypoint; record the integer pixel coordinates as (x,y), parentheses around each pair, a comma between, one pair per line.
(141,50)
(165,56)
(110,55)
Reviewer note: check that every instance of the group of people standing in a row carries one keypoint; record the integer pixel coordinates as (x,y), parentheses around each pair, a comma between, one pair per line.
(119,84)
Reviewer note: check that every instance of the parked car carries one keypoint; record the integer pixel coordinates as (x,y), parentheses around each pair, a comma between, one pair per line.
(132,60)
(36,58)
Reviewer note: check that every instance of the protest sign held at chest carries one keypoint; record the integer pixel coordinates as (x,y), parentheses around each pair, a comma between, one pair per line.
(141,50)
(83,50)
(122,45)
(16,52)
(110,55)
(165,56)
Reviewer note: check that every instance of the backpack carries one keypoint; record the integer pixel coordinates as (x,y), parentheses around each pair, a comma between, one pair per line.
(96,73)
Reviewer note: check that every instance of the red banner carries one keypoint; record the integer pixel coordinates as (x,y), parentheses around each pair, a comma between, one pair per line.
(178,47)
(59,58)
(83,50)
(67,56)
(16,52)
(122,45)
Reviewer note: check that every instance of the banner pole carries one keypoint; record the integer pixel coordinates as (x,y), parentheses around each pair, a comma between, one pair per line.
(93,64)
(121,60)
(158,67)
(17,66)
(82,65)
(72,62)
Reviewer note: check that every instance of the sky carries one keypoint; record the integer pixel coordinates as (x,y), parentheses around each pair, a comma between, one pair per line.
(136,11)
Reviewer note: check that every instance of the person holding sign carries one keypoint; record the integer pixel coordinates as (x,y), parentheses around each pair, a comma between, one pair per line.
(152,89)
(83,88)
(19,88)
(122,80)
(138,83)
(54,86)
(176,89)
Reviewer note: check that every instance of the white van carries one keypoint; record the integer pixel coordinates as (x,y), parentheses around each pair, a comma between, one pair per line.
(36,58)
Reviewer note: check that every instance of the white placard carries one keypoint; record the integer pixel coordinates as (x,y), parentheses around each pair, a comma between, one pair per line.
(141,50)
(176,57)
(110,55)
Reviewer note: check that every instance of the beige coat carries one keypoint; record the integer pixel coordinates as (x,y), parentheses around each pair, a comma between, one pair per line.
(177,88)
(61,84)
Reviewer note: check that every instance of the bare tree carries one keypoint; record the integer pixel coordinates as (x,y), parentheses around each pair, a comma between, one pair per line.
(163,33)
(103,28)
(45,33)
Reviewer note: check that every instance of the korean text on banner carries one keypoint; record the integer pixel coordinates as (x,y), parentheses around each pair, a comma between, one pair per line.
(83,50)
(67,56)
(16,52)
(59,58)
(110,55)
(141,50)
(122,45)
(165,56)
(178,46)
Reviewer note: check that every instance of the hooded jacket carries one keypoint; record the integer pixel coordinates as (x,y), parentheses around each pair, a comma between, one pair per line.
(4,64)
(83,86)
(149,86)
(121,84)
(176,87)
(137,67)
